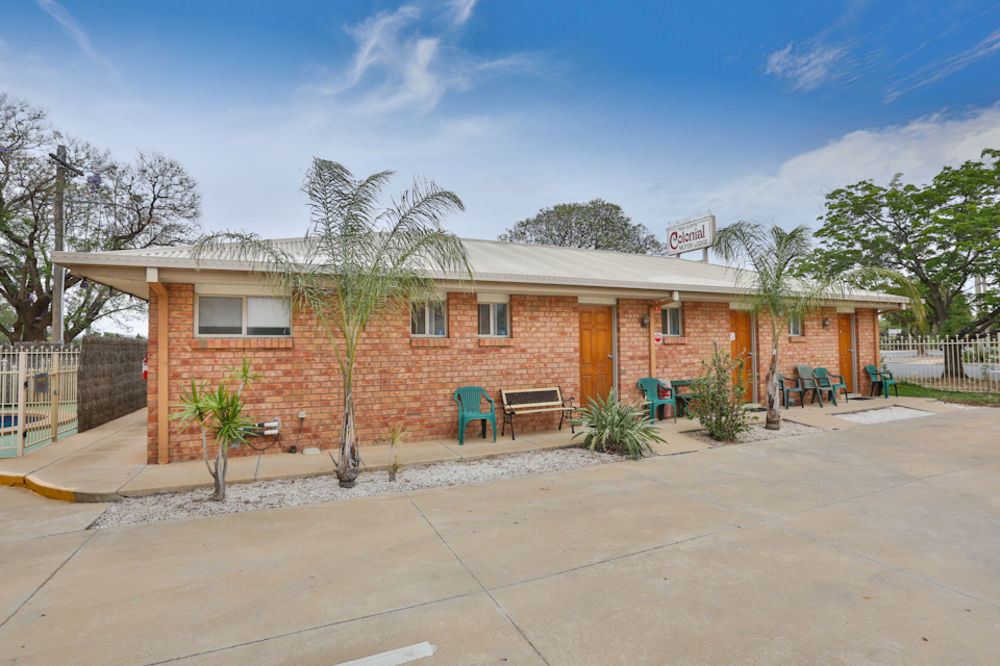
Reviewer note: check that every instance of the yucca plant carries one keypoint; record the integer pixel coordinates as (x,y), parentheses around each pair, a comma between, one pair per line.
(221,412)
(617,427)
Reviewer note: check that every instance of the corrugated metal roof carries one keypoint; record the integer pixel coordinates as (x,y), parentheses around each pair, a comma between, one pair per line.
(495,261)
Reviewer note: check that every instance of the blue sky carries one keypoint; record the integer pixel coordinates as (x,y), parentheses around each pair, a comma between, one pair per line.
(750,110)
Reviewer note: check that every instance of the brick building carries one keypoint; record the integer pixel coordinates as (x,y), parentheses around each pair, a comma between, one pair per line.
(534,316)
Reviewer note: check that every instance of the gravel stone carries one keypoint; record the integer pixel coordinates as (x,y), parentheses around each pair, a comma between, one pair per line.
(260,495)
(758,433)
(884,415)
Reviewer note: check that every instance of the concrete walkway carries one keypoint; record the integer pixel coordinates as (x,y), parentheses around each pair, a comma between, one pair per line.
(873,544)
(109,462)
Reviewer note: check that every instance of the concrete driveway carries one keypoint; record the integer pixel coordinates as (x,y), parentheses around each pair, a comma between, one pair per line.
(874,544)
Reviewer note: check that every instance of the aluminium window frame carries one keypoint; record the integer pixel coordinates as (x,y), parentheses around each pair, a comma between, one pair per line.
(428,318)
(243,315)
(665,322)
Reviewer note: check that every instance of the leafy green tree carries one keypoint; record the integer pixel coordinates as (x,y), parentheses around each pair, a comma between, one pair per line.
(718,402)
(114,206)
(942,236)
(358,260)
(595,225)
(221,412)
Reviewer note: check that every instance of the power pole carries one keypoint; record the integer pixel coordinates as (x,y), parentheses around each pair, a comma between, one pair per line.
(58,272)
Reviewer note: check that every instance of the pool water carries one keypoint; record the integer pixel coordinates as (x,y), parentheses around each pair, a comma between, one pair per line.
(10,420)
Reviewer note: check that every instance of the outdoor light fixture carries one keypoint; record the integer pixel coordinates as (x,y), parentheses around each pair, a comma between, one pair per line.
(826,322)
(645,321)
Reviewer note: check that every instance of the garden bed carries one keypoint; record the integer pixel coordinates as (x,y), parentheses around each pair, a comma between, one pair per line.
(884,415)
(757,433)
(261,495)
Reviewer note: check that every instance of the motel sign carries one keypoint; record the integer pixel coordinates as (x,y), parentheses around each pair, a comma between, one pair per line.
(691,235)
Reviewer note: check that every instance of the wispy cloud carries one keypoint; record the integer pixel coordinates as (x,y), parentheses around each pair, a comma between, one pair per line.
(409,59)
(461,10)
(946,67)
(794,192)
(73,29)
(806,67)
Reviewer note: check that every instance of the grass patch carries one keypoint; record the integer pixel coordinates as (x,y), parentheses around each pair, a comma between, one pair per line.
(964,397)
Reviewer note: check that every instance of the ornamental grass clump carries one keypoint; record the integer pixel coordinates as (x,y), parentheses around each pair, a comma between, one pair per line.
(718,401)
(617,427)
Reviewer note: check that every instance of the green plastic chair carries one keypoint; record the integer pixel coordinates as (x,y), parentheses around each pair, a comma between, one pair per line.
(808,382)
(882,380)
(650,387)
(468,399)
(824,380)
(785,390)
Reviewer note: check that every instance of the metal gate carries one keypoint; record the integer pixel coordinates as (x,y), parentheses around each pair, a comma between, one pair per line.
(38,400)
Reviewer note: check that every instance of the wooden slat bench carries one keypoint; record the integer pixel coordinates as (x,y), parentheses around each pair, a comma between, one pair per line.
(534,401)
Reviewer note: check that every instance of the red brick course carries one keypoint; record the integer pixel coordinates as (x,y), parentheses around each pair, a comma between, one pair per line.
(410,381)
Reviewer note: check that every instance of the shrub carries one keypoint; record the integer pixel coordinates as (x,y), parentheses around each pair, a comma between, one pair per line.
(617,427)
(718,401)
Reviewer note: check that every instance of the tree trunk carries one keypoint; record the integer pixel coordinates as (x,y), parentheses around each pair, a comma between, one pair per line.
(773,421)
(347,466)
(221,465)
(953,367)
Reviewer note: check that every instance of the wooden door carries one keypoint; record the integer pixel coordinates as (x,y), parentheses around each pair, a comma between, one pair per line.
(597,369)
(741,347)
(845,345)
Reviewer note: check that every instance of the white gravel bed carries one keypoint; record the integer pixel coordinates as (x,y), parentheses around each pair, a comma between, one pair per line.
(293,492)
(883,415)
(956,405)
(758,433)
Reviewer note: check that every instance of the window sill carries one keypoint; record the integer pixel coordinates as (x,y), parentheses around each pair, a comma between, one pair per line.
(242,343)
(796,338)
(674,340)
(495,342)
(430,342)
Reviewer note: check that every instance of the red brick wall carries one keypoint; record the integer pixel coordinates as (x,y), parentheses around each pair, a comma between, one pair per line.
(397,379)
(867,345)
(411,381)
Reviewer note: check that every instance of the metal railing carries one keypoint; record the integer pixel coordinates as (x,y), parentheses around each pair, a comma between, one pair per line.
(38,396)
(947,363)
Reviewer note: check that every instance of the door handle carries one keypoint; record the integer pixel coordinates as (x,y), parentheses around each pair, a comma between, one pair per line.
(611,355)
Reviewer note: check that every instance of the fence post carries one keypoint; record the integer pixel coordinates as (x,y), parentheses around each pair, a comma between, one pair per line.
(54,395)
(22,397)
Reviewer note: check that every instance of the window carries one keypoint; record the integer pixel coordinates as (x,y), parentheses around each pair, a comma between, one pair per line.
(427,319)
(494,320)
(671,321)
(244,315)
(794,324)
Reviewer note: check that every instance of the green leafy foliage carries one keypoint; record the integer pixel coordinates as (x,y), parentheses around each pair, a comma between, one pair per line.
(219,412)
(360,258)
(941,235)
(596,225)
(617,427)
(718,401)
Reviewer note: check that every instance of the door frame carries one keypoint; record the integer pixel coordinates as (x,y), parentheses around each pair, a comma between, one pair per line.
(854,353)
(614,340)
(754,384)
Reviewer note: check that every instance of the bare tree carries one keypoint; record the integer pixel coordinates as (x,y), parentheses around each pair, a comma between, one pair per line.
(151,201)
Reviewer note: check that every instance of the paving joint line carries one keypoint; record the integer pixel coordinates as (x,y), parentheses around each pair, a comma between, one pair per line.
(885,565)
(47,579)
(478,582)
(634,553)
(317,627)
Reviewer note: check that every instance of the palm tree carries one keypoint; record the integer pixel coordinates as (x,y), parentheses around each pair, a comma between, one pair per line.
(772,287)
(358,259)
(776,289)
